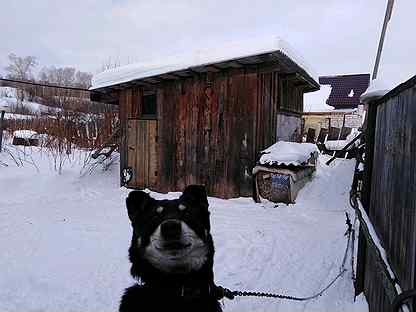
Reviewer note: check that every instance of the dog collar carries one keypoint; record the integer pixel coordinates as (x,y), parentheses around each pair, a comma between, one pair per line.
(187,292)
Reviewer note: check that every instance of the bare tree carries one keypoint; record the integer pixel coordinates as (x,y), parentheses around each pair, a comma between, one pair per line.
(65,76)
(83,79)
(20,67)
(110,63)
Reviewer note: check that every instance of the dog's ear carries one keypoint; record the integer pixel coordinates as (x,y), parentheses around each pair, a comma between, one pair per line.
(136,202)
(195,194)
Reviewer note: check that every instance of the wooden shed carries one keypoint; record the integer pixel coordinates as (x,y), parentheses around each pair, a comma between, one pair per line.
(204,117)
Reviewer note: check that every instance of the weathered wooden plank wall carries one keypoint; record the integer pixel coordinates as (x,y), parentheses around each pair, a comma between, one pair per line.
(220,127)
(392,208)
(212,127)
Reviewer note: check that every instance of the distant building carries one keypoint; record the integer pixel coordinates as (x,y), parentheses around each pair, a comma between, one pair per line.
(343,112)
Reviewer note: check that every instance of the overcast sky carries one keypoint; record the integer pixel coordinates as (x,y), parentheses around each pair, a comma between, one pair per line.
(334,36)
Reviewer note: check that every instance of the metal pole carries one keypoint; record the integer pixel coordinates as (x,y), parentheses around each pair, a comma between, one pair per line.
(1,129)
(387,17)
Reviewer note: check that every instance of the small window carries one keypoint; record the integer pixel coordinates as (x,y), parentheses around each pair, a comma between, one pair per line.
(149,106)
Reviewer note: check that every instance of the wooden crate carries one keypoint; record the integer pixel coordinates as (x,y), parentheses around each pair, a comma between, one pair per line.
(281,185)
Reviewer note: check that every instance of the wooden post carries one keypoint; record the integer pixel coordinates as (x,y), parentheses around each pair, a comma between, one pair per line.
(369,137)
(361,260)
(369,142)
(1,129)
(387,17)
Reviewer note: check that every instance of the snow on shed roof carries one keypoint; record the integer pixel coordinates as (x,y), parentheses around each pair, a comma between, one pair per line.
(25,134)
(288,153)
(199,57)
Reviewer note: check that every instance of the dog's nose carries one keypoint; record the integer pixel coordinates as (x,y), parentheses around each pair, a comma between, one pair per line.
(171,229)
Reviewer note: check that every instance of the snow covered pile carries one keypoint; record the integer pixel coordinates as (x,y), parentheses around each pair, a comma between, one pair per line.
(377,89)
(337,145)
(25,134)
(199,57)
(288,153)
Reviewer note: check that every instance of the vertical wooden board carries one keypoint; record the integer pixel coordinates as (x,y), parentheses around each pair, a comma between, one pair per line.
(167,131)
(153,163)
(123,131)
(132,150)
(137,97)
(213,136)
(144,153)
(181,115)
(195,133)
(268,111)
(140,150)
(207,129)
(258,113)
(252,89)
(204,131)
(161,181)
(129,101)
(247,152)
(219,176)
(260,116)
(237,107)
(188,134)
(261,124)
(144,137)
(172,134)
(228,123)
(191,135)
(276,104)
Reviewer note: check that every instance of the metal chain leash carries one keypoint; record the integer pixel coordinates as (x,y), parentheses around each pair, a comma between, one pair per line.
(231,294)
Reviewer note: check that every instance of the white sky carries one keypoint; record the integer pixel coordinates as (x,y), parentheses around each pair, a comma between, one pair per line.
(334,36)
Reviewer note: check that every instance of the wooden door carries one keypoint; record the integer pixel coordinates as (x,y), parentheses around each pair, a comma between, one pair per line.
(142,155)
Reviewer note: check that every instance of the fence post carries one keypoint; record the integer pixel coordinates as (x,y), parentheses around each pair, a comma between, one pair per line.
(1,129)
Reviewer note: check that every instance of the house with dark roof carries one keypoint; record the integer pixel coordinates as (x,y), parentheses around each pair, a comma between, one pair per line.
(203,117)
(342,111)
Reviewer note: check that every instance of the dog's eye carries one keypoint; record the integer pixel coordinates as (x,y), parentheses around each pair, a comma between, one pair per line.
(159,209)
(181,207)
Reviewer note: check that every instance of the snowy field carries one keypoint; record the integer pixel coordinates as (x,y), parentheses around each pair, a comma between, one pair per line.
(64,241)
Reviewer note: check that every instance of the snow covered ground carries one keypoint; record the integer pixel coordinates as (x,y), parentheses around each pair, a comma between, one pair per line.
(64,241)
(9,102)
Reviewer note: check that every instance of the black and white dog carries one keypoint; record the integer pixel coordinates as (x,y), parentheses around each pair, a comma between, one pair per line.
(172,254)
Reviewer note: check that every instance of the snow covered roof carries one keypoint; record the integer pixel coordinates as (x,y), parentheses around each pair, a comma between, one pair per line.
(202,57)
(288,153)
(377,89)
(25,134)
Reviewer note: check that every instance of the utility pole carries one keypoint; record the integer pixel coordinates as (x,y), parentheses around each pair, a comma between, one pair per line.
(1,129)
(387,18)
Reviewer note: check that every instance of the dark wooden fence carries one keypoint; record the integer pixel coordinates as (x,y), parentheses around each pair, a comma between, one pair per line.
(389,198)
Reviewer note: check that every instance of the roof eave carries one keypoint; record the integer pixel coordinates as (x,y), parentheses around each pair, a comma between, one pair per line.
(277,57)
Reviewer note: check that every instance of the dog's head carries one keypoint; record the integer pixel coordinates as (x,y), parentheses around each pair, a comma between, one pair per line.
(170,236)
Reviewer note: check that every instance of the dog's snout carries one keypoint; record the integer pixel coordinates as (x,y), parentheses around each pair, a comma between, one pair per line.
(171,229)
